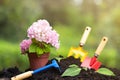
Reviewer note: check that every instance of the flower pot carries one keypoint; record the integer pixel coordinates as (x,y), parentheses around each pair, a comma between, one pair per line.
(37,61)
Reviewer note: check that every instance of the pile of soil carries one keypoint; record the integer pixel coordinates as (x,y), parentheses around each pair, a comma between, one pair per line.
(53,74)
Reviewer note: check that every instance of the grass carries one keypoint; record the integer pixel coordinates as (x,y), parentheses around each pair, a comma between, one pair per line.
(10,56)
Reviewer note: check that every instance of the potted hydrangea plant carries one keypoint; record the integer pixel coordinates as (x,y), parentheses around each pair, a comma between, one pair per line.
(41,37)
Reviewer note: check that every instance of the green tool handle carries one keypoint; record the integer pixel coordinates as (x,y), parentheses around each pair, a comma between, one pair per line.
(22,76)
(85,36)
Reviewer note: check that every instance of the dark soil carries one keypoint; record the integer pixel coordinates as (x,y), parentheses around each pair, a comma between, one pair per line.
(53,74)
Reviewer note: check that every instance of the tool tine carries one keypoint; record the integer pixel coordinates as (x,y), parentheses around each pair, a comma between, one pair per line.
(93,60)
(96,65)
(86,63)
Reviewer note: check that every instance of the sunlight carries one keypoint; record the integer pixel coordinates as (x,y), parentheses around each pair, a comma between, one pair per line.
(98,2)
(78,2)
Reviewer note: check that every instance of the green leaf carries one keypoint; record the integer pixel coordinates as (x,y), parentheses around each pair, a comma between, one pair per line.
(47,49)
(39,51)
(105,71)
(85,68)
(33,40)
(35,47)
(73,65)
(32,47)
(73,70)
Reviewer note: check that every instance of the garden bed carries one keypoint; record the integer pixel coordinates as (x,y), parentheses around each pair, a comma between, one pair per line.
(53,74)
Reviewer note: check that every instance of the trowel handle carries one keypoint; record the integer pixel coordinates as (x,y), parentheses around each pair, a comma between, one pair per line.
(85,35)
(22,76)
(101,45)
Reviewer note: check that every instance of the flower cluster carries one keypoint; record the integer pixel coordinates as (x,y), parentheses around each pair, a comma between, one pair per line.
(43,32)
(25,44)
(40,32)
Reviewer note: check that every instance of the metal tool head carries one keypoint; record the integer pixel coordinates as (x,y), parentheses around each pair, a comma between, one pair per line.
(78,52)
(96,65)
(55,65)
(93,60)
(86,63)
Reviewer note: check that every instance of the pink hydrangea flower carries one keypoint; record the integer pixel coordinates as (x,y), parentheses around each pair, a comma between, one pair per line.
(43,32)
(24,45)
(53,39)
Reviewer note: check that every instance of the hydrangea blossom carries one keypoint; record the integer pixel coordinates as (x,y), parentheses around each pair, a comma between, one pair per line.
(24,45)
(42,31)
(41,38)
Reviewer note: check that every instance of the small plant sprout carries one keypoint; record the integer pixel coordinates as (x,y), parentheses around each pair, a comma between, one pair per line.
(73,70)
(105,71)
(58,58)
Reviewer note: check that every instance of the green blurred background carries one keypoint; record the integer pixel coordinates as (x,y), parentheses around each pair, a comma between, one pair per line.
(69,18)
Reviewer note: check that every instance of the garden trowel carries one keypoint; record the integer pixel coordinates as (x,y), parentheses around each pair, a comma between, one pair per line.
(79,52)
(30,73)
(93,62)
